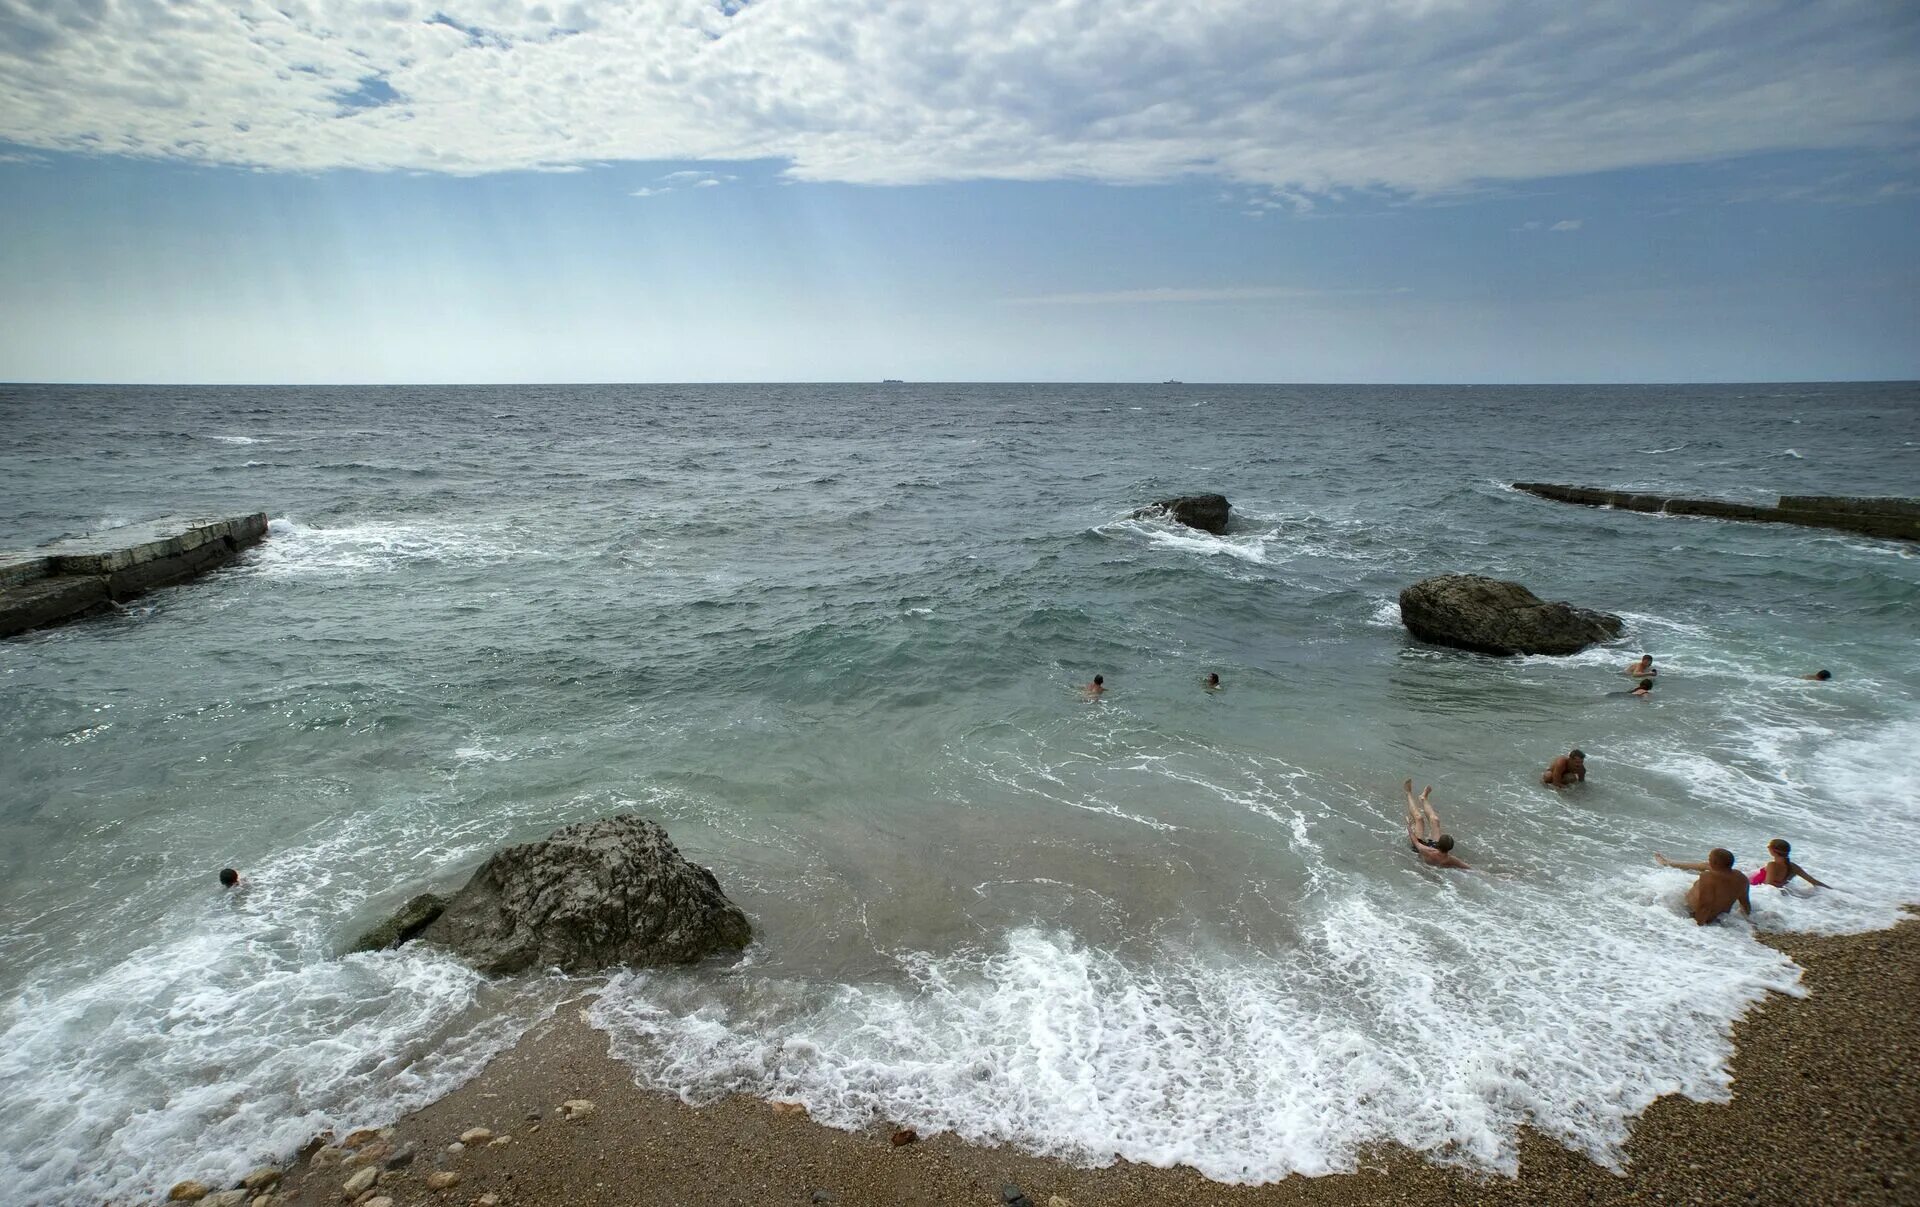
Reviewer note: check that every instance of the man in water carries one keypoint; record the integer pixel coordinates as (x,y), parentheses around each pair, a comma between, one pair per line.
(1213,681)
(230,879)
(1719,888)
(1570,766)
(1423,831)
(1642,669)
(1642,689)
(1820,676)
(1781,869)
(1094,689)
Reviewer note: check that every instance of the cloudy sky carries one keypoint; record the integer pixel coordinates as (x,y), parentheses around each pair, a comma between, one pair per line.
(1268,190)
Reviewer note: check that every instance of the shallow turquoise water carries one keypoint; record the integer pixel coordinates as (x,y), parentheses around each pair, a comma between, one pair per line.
(832,637)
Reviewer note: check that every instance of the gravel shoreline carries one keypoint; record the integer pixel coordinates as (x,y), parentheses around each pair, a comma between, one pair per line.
(1825,1109)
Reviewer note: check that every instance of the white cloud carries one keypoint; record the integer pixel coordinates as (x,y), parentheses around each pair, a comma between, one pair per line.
(1415,96)
(1242,293)
(1566,224)
(644,191)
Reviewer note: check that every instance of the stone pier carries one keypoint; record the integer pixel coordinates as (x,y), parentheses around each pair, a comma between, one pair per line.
(1894,519)
(85,575)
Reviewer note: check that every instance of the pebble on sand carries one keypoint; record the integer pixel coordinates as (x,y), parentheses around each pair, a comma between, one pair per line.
(1059,1200)
(789,1108)
(326,1158)
(188,1191)
(576,1108)
(476,1135)
(456,1148)
(905,1135)
(226,1198)
(360,1182)
(359,1136)
(487,1200)
(442,1179)
(382,1201)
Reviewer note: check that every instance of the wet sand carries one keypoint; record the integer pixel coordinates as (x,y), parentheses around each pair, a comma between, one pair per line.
(1825,1109)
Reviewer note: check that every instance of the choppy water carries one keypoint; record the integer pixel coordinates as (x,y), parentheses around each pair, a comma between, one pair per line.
(831,636)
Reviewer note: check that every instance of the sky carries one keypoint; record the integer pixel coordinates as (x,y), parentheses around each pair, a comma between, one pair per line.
(1031,190)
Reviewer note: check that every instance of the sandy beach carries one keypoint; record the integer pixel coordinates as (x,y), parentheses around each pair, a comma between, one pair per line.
(1825,1109)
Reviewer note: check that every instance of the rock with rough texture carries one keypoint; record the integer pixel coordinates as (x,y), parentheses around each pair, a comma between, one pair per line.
(1205,512)
(261,1178)
(442,1179)
(476,1135)
(590,896)
(577,1108)
(1490,616)
(188,1191)
(904,1136)
(360,1182)
(406,923)
(225,1198)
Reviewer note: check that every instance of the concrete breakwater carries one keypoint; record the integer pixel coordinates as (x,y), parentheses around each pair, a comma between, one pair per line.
(85,575)
(1893,518)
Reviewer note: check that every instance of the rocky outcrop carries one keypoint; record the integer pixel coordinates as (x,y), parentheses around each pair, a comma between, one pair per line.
(586,897)
(1894,518)
(406,923)
(1490,616)
(1205,512)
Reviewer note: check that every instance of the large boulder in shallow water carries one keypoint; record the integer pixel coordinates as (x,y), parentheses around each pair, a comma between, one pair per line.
(1205,512)
(1490,616)
(590,896)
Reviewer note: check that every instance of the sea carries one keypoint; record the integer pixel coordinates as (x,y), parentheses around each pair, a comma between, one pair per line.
(834,637)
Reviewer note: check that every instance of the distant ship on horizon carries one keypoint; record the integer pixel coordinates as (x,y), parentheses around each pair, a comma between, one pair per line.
(1173,381)
(892,381)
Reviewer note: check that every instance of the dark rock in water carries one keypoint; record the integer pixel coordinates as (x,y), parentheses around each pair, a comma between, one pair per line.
(1489,616)
(590,896)
(406,923)
(1205,512)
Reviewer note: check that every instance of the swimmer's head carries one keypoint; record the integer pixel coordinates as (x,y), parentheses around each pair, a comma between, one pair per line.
(1213,678)
(1646,685)
(1099,680)
(1646,660)
(1780,847)
(1577,755)
(1443,844)
(229,878)
(1823,675)
(1720,859)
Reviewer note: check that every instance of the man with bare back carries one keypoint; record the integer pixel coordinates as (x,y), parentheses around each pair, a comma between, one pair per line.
(1719,888)
(1570,767)
(1423,831)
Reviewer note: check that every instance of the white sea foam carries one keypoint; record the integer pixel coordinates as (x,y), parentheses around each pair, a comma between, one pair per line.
(1170,534)
(231,1043)
(1792,452)
(297,550)
(1434,1022)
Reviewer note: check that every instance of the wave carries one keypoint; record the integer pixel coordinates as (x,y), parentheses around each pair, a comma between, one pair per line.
(298,550)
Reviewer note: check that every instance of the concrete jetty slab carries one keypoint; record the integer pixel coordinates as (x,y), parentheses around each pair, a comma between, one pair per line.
(1894,519)
(84,575)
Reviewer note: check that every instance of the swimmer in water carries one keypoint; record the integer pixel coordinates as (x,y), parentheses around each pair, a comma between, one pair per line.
(1719,888)
(1643,689)
(1094,689)
(1213,681)
(1571,766)
(1780,869)
(230,879)
(1423,831)
(1642,669)
(1819,676)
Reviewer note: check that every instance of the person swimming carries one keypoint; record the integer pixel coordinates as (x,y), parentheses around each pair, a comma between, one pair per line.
(1779,870)
(1643,669)
(1819,676)
(1570,766)
(1642,689)
(1423,831)
(230,879)
(1719,888)
(1213,681)
(1098,686)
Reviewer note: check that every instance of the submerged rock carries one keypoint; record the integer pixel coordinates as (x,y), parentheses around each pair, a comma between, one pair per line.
(406,923)
(1205,512)
(587,897)
(1491,616)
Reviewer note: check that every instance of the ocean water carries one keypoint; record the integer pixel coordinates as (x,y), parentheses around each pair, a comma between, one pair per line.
(832,637)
